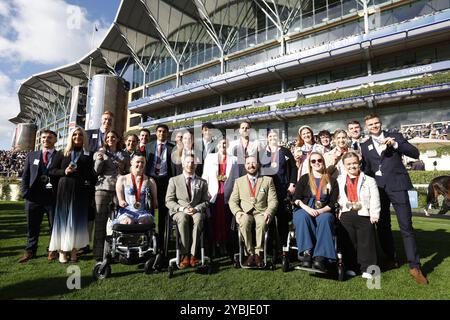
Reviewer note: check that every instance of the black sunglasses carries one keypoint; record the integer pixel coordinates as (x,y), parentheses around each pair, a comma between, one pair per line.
(314,161)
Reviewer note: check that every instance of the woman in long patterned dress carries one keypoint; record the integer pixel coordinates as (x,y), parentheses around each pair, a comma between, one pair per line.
(70,226)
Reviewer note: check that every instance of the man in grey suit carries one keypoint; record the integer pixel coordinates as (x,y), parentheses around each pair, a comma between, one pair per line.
(187,200)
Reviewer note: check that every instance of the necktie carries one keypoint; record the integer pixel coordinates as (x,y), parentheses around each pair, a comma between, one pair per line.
(253,182)
(189,190)
(45,158)
(142,149)
(355,146)
(158,159)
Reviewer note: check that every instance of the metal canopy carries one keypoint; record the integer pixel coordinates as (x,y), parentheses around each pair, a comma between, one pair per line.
(146,31)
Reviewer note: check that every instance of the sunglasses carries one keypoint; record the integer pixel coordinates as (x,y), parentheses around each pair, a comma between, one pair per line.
(314,161)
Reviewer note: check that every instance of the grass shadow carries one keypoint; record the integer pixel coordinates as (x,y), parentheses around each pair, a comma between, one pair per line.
(40,288)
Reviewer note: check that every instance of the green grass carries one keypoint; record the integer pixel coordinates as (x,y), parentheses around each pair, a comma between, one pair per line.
(39,279)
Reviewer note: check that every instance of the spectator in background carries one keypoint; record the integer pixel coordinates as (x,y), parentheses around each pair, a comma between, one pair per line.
(325,139)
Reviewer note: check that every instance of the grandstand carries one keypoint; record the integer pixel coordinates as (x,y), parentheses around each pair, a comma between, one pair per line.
(281,63)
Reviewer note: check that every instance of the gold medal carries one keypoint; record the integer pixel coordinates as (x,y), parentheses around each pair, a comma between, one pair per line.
(274,165)
(45,179)
(137,205)
(318,204)
(357,206)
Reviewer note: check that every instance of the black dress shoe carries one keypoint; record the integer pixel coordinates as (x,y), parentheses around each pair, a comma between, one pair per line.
(390,265)
(319,263)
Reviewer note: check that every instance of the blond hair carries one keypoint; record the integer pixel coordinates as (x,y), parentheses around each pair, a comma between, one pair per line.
(70,145)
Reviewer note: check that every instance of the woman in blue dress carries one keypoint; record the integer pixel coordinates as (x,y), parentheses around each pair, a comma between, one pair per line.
(316,194)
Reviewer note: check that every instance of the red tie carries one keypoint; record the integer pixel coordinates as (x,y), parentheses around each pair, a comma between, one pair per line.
(45,158)
(143,149)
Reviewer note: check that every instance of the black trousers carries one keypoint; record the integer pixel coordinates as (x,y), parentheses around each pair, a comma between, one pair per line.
(358,239)
(402,207)
(35,214)
(162,183)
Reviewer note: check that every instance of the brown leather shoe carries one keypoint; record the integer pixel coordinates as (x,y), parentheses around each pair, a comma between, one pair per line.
(250,262)
(52,255)
(26,256)
(259,261)
(193,262)
(418,276)
(184,262)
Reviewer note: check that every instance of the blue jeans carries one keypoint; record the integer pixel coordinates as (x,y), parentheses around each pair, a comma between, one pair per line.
(315,233)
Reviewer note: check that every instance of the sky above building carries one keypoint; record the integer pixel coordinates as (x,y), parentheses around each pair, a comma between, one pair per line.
(39,35)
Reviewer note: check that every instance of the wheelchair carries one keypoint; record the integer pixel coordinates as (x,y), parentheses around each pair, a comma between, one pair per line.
(129,244)
(290,247)
(270,244)
(205,266)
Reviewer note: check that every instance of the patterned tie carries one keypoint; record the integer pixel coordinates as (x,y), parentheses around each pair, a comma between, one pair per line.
(189,190)
(355,146)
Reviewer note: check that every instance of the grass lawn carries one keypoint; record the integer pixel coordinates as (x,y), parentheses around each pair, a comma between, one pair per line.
(39,279)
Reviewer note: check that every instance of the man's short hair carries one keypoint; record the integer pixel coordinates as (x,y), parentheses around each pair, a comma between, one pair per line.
(131,135)
(371,116)
(48,132)
(247,122)
(350,154)
(324,133)
(145,130)
(108,113)
(353,122)
(162,125)
(208,125)
(138,154)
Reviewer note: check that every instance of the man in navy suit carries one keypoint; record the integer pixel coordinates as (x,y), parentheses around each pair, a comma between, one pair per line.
(160,168)
(382,159)
(97,137)
(39,191)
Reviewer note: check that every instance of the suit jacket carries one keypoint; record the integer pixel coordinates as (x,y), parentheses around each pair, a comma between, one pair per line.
(31,187)
(394,175)
(177,196)
(84,172)
(211,171)
(266,196)
(150,149)
(368,195)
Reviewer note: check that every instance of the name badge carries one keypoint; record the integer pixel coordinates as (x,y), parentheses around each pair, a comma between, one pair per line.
(378,173)
(36,162)
(95,136)
(86,153)
(371,147)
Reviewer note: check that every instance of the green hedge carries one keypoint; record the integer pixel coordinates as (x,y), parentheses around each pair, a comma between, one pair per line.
(425,177)
(436,78)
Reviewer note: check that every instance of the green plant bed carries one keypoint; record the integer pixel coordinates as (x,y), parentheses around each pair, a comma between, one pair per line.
(425,177)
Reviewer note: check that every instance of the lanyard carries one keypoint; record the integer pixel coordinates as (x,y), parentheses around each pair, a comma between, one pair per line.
(75,155)
(352,189)
(137,192)
(252,189)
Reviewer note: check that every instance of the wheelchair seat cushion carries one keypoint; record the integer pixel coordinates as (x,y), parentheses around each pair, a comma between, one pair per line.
(133,228)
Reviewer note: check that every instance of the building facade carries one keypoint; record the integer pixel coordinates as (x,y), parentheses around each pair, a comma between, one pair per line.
(278,64)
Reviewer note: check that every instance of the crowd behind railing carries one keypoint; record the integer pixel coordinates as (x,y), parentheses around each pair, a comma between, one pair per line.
(12,163)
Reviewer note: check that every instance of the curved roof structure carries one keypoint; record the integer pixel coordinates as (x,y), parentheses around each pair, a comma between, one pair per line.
(146,31)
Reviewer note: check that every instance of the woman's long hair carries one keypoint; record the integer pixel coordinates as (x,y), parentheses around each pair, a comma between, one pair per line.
(300,142)
(70,145)
(325,176)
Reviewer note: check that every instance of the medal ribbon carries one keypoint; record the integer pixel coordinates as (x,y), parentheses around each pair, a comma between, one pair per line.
(318,191)
(252,189)
(352,193)
(137,192)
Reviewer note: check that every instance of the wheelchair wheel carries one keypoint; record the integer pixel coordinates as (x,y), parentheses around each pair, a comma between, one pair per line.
(149,266)
(101,271)
(285,263)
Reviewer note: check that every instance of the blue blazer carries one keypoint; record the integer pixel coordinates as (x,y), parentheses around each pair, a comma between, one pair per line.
(93,139)
(31,187)
(394,176)
(150,149)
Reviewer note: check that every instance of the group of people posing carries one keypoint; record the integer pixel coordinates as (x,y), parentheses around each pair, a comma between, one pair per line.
(243,181)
